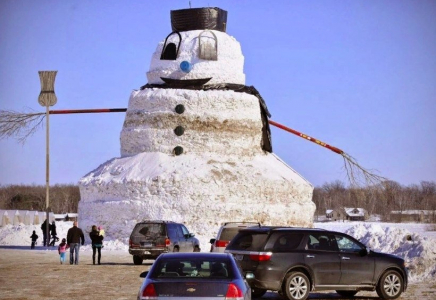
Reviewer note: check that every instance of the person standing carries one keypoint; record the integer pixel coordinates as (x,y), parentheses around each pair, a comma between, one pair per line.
(97,243)
(44,232)
(53,234)
(62,248)
(34,237)
(75,237)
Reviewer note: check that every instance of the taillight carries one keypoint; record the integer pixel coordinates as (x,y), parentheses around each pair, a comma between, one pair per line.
(167,242)
(149,292)
(220,243)
(132,245)
(261,256)
(233,293)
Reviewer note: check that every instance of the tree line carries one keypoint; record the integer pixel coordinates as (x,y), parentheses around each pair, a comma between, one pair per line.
(379,199)
(63,198)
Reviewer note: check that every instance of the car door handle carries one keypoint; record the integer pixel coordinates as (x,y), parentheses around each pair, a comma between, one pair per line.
(310,256)
(345,258)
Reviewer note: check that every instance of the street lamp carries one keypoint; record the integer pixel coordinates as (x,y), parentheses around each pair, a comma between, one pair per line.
(47,98)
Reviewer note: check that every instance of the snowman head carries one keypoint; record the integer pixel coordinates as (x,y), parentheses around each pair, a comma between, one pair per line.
(198,50)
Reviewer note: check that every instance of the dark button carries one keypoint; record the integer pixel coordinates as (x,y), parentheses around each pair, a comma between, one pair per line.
(178,150)
(179,130)
(180,109)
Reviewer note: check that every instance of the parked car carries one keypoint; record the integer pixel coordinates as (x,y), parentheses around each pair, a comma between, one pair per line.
(194,276)
(226,233)
(151,238)
(295,261)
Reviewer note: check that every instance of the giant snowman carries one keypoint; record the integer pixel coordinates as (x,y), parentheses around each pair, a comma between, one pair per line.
(195,144)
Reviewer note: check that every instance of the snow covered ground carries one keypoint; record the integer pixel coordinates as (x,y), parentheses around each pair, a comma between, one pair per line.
(414,242)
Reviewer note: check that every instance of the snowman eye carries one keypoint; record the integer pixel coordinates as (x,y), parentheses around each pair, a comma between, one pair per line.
(170,50)
(207,45)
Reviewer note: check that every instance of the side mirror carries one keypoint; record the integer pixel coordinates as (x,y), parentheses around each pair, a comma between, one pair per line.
(363,252)
(143,274)
(212,241)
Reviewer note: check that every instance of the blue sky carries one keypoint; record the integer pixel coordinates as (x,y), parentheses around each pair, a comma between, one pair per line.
(358,75)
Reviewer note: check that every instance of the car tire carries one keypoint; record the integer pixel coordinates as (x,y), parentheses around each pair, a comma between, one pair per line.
(347,293)
(297,286)
(196,249)
(390,285)
(257,293)
(176,249)
(137,260)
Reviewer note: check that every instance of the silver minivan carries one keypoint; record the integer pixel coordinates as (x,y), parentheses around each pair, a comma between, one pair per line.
(151,238)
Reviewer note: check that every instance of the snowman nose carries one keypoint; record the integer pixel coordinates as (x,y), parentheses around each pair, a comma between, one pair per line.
(186,66)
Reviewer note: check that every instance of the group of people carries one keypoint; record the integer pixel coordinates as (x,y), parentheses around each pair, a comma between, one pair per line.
(52,232)
(75,238)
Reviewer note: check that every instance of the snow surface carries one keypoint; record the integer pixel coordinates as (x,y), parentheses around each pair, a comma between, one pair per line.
(413,242)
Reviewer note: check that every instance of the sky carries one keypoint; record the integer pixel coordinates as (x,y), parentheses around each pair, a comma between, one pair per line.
(357,75)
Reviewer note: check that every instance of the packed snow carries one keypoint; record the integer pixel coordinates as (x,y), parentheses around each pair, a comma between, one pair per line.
(416,243)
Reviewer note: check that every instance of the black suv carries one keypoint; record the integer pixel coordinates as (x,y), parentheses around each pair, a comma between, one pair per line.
(151,238)
(295,261)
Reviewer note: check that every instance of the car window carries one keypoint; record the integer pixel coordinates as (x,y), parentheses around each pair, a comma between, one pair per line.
(193,267)
(184,230)
(322,242)
(249,241)
(227,234)
(150,230)
(287,242)
(347,245)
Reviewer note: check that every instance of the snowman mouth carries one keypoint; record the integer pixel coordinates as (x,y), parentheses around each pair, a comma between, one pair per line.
(185,82)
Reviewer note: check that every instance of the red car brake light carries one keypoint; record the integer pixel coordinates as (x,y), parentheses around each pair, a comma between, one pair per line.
(149,292)
(233,293)
(167,242)
(221,243)
(260,256)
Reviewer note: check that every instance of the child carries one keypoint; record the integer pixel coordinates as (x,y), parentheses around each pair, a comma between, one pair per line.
(100,231)
(34,237)
(62,249)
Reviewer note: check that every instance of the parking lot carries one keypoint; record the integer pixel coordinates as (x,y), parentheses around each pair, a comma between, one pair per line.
(38,275)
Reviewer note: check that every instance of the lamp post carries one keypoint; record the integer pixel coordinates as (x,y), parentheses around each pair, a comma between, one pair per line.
(47,98)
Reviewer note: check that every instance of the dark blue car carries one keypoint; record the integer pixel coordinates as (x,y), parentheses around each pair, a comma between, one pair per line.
(194,276)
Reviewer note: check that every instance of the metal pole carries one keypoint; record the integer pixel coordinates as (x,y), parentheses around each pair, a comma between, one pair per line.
(47,176)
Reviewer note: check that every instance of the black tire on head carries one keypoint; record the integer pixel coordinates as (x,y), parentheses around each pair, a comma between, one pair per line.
(137,260)
(196,249)
(297,286)
(176,249)
(347,293)
(390,285)
(257,293)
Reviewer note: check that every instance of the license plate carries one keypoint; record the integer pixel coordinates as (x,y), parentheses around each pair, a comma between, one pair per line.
(239,257)
(144,244)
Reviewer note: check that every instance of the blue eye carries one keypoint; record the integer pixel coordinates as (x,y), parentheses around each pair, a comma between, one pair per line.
(185,66)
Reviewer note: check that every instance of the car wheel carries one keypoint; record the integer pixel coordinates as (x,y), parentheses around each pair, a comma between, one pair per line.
(196,249)
(257,293)
(176,249)
(347,293)
(297,286)
(137,260)
(390,286)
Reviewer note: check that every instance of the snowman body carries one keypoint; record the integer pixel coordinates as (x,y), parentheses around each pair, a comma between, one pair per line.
(191,149)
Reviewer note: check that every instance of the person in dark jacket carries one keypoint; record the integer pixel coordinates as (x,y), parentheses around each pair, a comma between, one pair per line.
(34,237)
(53,234)
(75,237)
(44,232)
(97,243)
